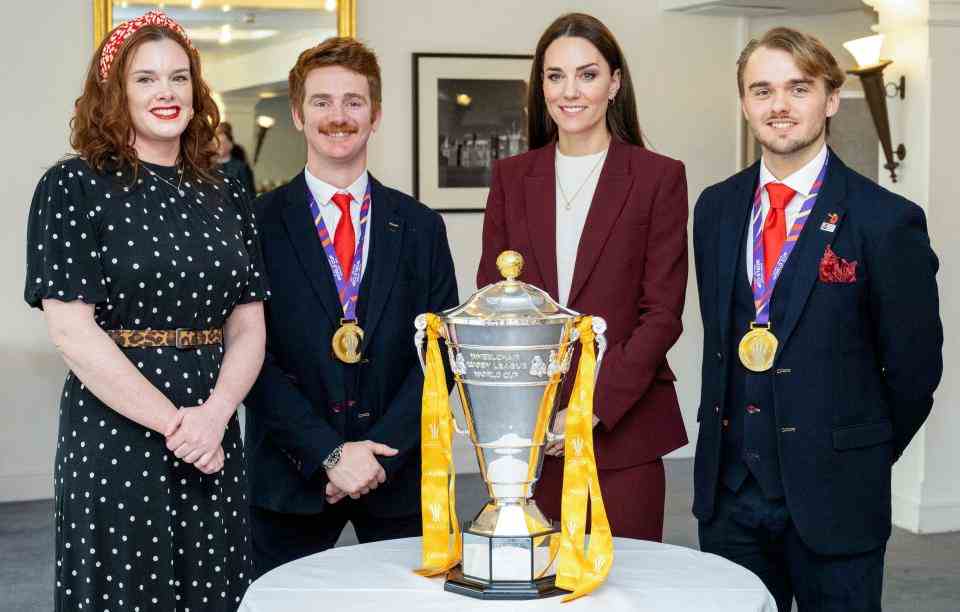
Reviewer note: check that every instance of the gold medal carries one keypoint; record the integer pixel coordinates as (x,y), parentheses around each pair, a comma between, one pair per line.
(346,341)
(757,348)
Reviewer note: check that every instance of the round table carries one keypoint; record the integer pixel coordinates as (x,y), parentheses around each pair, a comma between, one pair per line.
(379,576)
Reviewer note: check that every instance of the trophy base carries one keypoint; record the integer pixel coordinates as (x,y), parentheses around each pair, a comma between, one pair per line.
(501,567)
(500,589)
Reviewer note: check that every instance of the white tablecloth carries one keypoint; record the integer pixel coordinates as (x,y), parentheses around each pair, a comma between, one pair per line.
(379,576)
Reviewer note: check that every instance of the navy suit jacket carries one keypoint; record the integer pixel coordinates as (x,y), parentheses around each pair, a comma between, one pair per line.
(857,364)
(295,411)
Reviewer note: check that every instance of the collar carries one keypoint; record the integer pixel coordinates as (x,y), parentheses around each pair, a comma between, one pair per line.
(800,181)
(323,191)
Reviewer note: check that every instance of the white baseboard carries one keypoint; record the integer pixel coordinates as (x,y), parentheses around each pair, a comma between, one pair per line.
(917,517)
(23,487)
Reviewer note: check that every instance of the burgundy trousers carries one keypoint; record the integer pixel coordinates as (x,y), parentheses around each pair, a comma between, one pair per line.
(633,497)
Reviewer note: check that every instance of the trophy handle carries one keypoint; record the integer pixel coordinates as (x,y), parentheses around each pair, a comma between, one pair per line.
(599,327)
(419,340)
(419,343)
(456,426)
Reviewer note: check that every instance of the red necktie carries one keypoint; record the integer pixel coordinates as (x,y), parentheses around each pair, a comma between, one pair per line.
(775,225)
(344,240)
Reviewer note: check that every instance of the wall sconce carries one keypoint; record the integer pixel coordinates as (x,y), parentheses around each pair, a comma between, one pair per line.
(870,70)
(264,123)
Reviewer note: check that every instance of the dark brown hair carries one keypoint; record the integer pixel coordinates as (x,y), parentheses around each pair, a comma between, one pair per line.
(622,111)
(102,130)
(336,51)
(811,56)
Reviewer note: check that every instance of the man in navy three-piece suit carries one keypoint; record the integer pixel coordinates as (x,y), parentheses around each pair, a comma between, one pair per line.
(333,421)
(822,344)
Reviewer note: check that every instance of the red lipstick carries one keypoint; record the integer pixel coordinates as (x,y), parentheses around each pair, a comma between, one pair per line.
(166,113)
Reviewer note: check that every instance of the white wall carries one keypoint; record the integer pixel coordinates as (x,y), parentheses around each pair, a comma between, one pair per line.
(45,72)
(687,105)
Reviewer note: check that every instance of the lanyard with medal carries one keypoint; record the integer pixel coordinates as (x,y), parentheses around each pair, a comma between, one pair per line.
(347,339)
(759,345)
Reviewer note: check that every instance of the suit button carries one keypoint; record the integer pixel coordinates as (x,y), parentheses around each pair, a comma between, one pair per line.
(716,408)
(726,423)
(752,409)
(719,356)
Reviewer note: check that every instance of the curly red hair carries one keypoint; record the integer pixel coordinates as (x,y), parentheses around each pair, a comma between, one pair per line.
(101,129)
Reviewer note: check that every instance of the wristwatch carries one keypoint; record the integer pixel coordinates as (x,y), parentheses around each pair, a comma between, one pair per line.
(333,458)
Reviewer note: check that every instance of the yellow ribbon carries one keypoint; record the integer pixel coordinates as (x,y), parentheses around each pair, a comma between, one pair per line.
(577,572)
(441,527)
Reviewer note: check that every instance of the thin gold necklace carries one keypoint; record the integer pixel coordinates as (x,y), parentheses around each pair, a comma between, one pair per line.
(179,182)
(568,202)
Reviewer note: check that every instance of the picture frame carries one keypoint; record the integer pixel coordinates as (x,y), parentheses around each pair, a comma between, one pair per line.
(468,111)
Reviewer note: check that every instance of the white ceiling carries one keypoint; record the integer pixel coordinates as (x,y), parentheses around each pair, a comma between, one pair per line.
(760,8)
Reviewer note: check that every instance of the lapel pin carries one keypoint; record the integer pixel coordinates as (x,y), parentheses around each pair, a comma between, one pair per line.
(830,225)
(393,226)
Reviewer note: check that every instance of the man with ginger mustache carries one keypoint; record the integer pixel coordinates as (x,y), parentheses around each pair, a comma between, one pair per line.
(333,422)
(822,343)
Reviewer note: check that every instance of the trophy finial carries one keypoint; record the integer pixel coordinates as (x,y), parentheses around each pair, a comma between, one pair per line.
(510,263)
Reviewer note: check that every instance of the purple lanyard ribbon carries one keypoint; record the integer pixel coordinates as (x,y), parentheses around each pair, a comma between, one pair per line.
(763,291)
(347,289)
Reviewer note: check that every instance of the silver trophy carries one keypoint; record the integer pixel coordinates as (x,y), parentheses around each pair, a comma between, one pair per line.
(509,346)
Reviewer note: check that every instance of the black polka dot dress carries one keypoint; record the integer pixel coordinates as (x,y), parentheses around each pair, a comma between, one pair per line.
(136,529)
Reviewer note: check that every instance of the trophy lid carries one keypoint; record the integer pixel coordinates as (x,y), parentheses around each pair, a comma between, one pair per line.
(509,302)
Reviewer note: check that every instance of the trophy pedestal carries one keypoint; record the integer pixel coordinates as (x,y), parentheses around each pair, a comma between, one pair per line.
(516,566)
(500,589)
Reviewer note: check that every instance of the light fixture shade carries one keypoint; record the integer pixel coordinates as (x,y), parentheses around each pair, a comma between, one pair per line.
(266,121)
(865,50)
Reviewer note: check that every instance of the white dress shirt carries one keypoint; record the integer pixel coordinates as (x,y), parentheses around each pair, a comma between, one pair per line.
(581,172)
(800,181)
(323,193)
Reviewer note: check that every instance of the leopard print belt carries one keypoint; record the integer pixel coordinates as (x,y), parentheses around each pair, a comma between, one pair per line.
(180,338)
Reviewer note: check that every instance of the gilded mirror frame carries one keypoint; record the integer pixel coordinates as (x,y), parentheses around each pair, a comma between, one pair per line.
(103,18)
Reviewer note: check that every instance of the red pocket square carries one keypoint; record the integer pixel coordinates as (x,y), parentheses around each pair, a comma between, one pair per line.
(835,269)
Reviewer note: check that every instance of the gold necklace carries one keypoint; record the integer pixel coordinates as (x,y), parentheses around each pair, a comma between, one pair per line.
(179,182)
(568,202)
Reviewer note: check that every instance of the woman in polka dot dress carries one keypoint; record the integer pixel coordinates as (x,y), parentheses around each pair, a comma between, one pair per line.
(139,233)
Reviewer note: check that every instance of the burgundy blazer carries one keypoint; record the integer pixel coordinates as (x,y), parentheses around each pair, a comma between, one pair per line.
(631,269)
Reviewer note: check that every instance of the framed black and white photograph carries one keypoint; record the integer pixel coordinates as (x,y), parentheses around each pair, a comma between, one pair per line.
(468,111)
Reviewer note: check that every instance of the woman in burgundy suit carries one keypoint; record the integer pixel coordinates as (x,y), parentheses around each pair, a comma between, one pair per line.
(602,225)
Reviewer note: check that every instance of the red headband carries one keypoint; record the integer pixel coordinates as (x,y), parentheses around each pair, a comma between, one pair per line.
(126,29)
